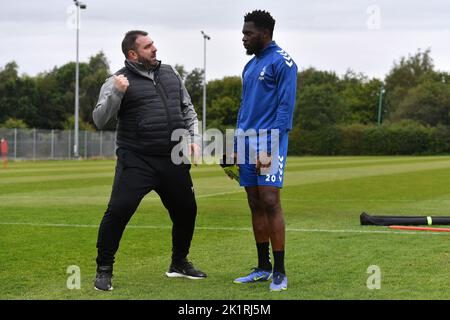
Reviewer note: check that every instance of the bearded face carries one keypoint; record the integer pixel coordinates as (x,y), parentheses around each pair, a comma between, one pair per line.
(253,39)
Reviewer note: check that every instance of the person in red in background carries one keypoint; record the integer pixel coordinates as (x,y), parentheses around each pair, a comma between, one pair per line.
(4,151)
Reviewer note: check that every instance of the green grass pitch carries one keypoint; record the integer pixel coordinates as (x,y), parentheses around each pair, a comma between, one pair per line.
(50,211)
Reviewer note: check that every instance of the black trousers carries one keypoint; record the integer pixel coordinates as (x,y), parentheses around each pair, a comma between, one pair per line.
(136,175)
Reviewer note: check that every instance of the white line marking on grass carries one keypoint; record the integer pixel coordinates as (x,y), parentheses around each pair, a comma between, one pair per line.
(337,200)
(360,231)
(63,225)
(149,197)
(217,194)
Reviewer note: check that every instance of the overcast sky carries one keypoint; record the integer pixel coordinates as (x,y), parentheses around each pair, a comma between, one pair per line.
(365,36)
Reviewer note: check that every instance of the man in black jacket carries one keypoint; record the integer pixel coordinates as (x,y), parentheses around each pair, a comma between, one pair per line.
(149,101)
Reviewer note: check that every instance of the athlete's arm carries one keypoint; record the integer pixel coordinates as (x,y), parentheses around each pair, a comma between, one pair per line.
(286,77)
(109,100)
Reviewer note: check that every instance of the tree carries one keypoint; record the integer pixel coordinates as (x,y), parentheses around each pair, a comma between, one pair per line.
(360,97)
(222,113)
(181,71)
(90,85)
(318,101)
(70,124)
(427,103)
(8,79)
(404,75)
(12,123)
(194,85)
(319,106)
(416,91)
(223,102)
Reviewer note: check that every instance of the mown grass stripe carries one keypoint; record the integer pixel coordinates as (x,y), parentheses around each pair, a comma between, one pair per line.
(233,229)
(75,176)
(315,176)
(27,200)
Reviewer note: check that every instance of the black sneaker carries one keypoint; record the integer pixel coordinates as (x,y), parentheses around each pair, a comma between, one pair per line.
(103,278)
(184,269)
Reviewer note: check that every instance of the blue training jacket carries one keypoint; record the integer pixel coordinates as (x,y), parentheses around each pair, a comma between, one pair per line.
(269,89)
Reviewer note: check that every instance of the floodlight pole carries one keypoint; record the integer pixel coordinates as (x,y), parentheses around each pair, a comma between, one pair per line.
(79,6)
(205,37)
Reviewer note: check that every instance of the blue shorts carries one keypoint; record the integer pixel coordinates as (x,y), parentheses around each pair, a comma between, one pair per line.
(273,176)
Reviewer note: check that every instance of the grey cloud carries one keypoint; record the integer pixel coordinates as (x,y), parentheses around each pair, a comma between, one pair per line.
(36,35)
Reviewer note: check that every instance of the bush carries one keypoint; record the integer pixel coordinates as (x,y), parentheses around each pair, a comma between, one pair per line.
(352,139)
(12,123)
(440,140)
(401,138)
(319,142)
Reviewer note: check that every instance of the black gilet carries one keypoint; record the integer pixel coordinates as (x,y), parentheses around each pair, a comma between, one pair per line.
(150,111)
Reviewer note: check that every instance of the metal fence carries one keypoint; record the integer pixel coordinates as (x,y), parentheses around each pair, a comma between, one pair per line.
(38,144)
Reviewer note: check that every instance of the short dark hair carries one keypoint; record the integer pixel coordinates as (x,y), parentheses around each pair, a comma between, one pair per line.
(262,20)
(129,42)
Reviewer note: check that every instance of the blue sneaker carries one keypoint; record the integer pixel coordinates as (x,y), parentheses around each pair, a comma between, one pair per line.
(255,276)
(279,282)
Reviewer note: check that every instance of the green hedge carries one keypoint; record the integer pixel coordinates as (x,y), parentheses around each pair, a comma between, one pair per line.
(403,138)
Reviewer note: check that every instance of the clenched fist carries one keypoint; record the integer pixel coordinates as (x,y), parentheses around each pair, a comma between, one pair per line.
(121,82)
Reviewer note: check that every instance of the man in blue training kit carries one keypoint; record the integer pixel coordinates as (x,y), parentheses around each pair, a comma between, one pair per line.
(265,115)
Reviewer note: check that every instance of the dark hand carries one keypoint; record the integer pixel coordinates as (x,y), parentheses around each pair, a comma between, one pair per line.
(263,162)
